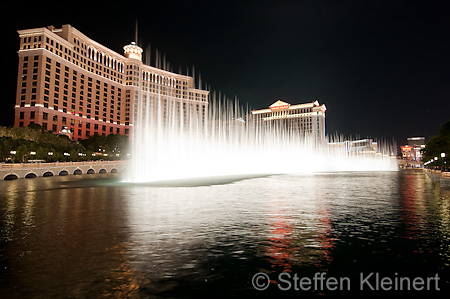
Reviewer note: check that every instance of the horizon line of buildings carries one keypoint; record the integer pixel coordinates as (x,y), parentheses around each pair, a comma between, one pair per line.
(73,85)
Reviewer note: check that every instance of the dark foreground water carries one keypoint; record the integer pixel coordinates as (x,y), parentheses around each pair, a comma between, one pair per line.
(91,237)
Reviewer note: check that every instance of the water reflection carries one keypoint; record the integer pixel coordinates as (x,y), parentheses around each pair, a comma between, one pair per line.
(299,225)
(87,237)
(61,238)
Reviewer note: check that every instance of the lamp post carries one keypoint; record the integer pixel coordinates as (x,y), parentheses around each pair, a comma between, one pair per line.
(442,156)
(14,155)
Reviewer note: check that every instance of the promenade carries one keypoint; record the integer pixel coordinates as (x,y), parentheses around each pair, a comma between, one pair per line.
(442,177)
(32,170)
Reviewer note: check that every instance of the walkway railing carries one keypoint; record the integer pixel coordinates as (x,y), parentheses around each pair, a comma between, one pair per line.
(54,164)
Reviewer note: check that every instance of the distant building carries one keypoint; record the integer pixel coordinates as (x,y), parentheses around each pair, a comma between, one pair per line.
(413,150)
(308,118)
(363,146)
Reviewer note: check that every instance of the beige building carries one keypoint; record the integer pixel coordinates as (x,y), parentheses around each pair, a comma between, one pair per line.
(361,146)
(67,80)
(308,118)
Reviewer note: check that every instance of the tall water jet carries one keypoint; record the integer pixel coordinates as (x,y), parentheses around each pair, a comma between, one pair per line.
(177,137)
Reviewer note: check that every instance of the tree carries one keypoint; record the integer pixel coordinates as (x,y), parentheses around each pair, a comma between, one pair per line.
(439,144)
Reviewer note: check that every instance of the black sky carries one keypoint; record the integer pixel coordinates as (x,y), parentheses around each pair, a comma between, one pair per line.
(382,68)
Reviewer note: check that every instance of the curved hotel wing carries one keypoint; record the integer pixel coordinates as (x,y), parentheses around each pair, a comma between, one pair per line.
(308,118)
(67,81)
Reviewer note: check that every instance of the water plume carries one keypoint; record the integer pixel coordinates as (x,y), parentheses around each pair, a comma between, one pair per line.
(171,142)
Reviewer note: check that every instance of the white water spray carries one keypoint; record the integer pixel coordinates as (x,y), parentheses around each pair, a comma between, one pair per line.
(171,141)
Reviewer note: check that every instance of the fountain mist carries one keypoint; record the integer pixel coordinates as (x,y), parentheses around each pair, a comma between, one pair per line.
(175,139)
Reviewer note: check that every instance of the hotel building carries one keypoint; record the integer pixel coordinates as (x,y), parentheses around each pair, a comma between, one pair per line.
(69,81)
(308,118)
(413,150)
(361,146)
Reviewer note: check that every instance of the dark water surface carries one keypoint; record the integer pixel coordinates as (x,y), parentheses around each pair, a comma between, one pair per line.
(91,236)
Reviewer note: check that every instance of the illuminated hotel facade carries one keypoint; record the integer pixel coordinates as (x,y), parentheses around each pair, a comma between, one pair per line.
(308,118)
(67,80)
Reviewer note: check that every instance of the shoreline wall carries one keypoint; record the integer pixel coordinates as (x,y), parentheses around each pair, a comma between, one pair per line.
(443,178)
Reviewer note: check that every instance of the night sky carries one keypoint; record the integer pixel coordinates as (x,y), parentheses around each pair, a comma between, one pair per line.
(382,68)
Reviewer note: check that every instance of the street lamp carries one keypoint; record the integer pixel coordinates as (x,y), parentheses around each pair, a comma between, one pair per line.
(443,162)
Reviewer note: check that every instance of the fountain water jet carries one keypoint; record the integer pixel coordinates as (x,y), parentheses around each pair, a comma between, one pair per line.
(170,142)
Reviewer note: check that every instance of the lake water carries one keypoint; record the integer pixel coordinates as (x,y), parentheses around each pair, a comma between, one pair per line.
(91,236)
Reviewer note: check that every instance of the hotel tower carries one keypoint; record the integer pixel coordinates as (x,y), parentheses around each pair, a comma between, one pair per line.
(308,119)
(67,81)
